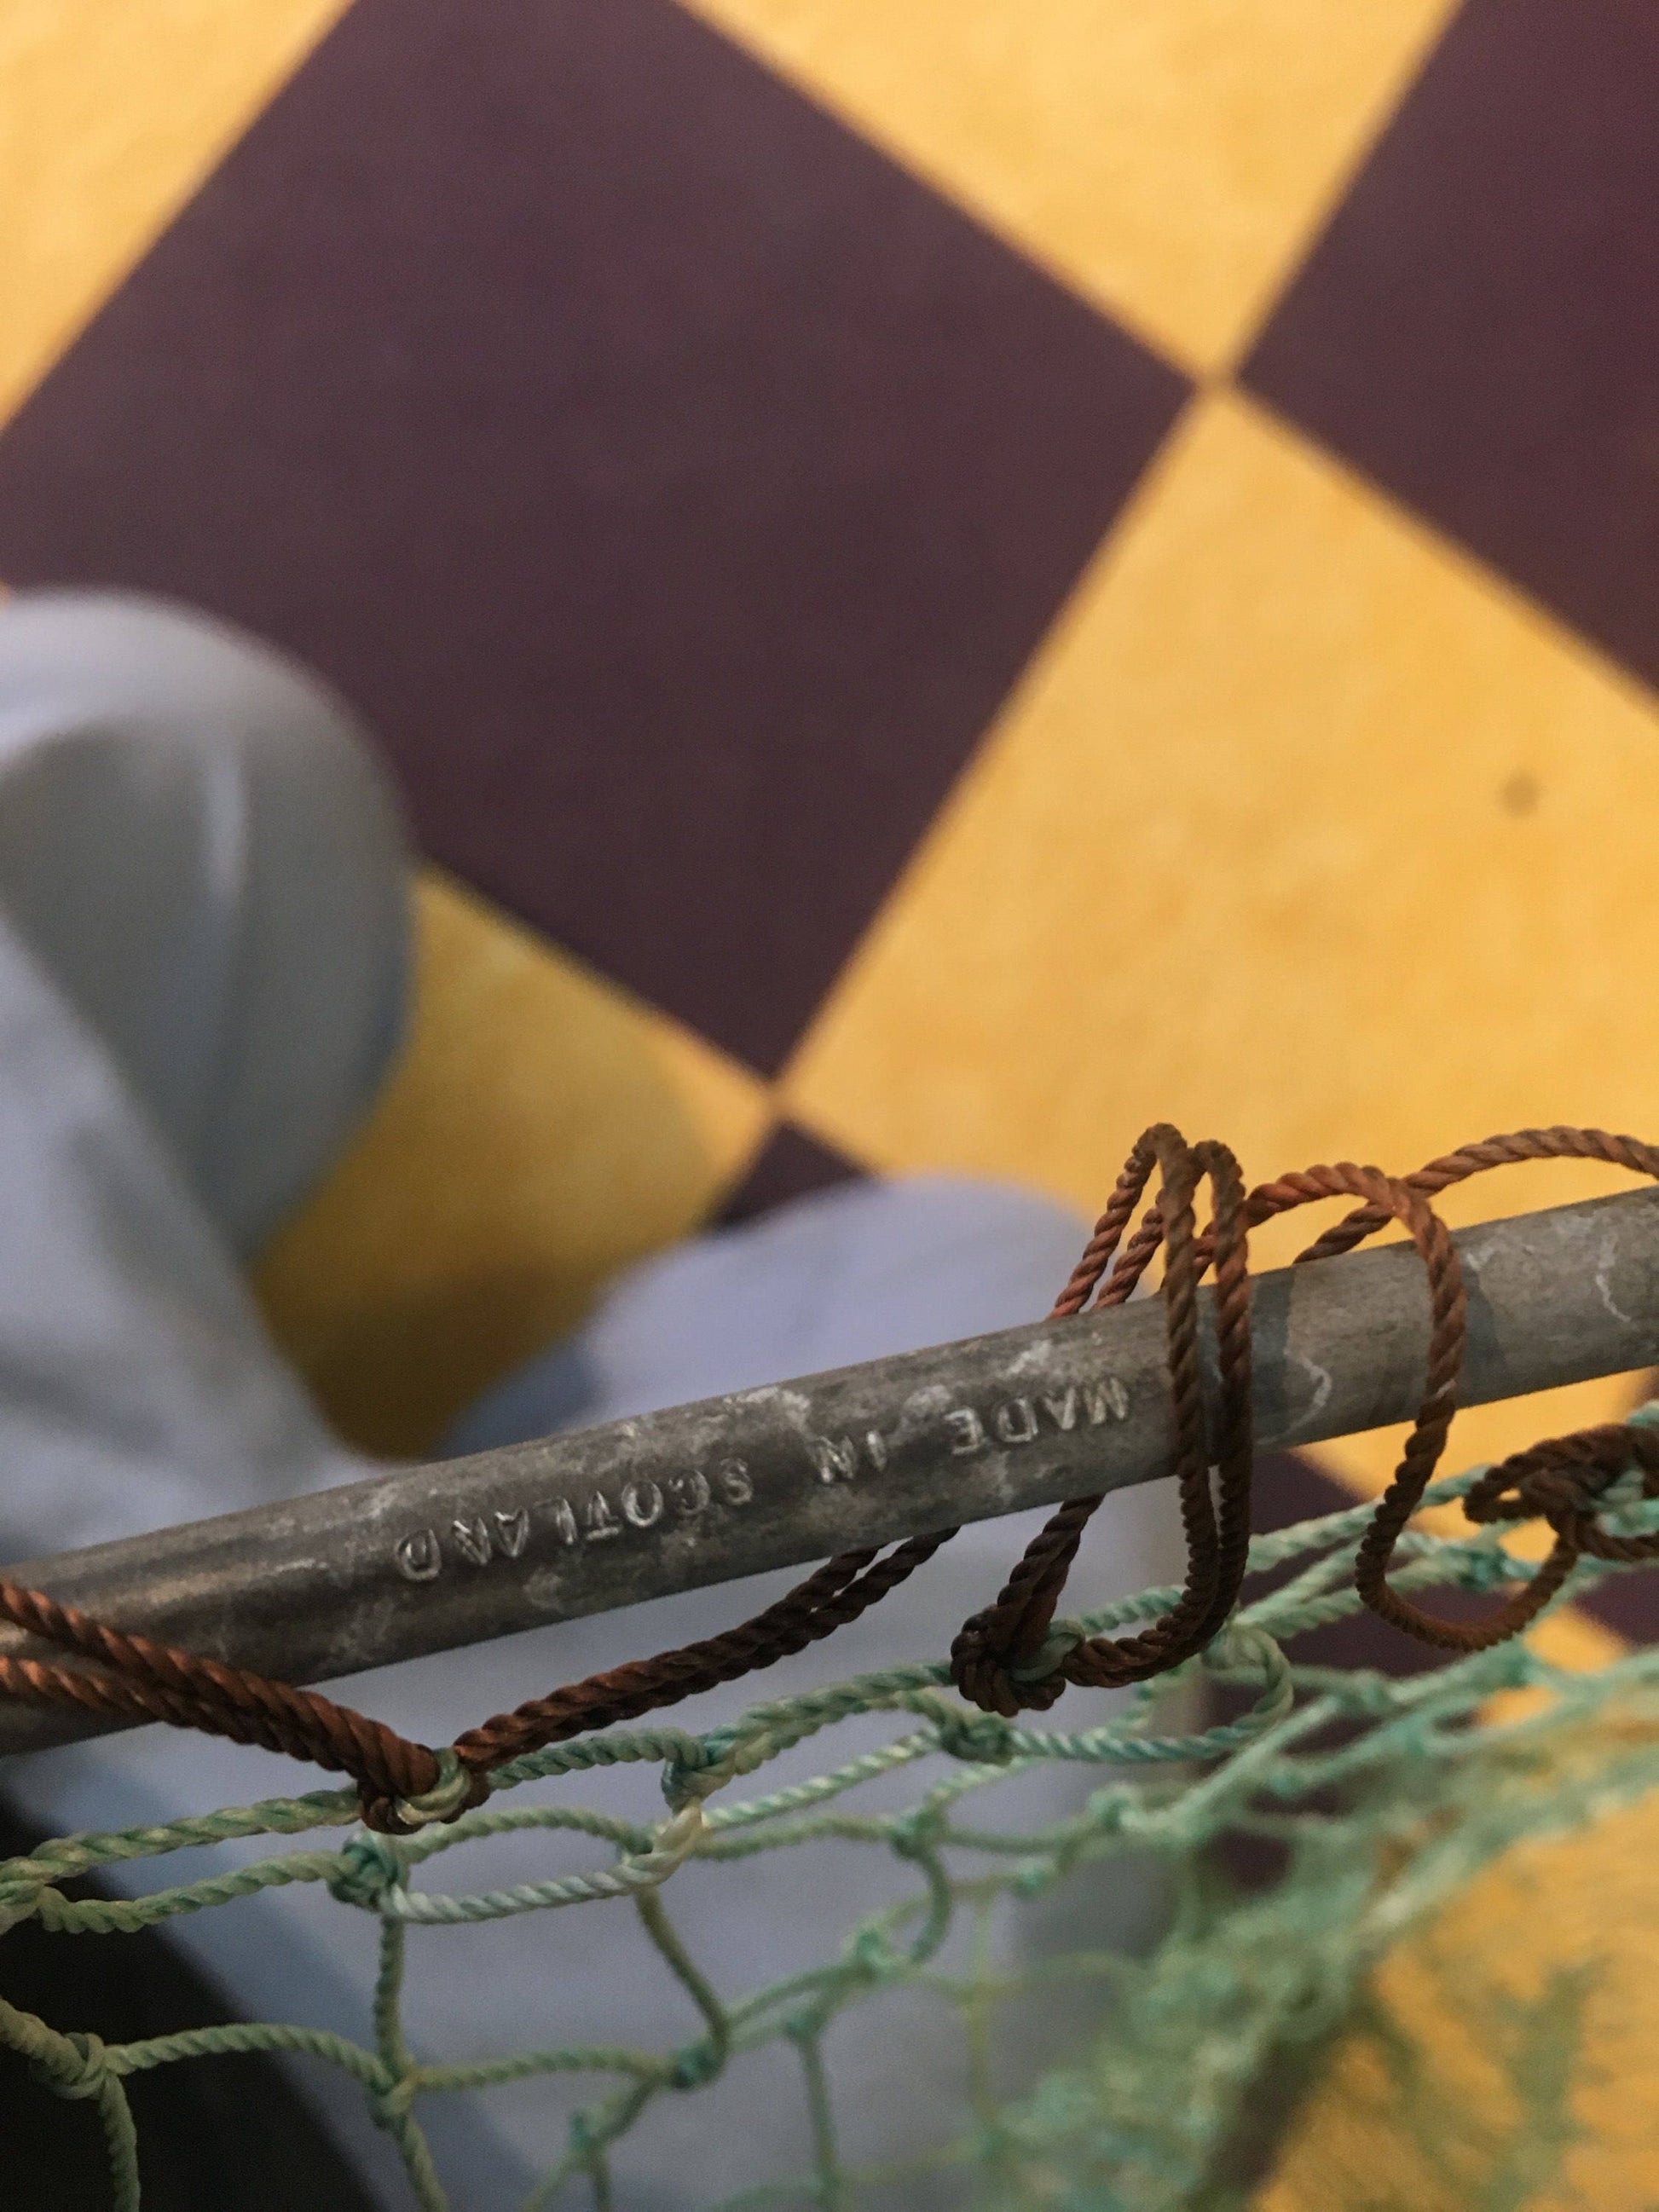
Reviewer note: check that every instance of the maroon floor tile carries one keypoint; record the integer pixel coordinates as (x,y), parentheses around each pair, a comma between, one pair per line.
(1479,329)
(1289,1488)
(676,483)
(1627,1604)
(790,1164)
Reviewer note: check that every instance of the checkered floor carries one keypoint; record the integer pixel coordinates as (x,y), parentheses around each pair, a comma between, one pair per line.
(944,580)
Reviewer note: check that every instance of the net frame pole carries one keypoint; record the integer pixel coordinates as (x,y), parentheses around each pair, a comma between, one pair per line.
(432,1557)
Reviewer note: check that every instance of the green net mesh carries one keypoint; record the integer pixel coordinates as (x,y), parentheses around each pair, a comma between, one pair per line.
(1379,1798)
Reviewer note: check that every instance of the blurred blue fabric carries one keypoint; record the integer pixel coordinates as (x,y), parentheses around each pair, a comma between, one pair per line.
(203,894)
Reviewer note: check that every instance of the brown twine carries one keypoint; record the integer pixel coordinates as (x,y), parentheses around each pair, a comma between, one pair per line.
(1001,1658)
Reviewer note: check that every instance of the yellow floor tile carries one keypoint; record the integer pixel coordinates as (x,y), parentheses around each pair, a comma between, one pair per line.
(1169,160)
(111,113)
(1300,832)
(542,1130)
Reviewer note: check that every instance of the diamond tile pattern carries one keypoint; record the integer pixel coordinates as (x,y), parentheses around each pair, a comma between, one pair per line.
(681,484)
(1168,162)
(691,487)
(789,1166)
(868,717)
(1479,328)
(678,496)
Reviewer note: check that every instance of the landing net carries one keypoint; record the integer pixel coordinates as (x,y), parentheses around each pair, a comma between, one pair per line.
(1377,1800)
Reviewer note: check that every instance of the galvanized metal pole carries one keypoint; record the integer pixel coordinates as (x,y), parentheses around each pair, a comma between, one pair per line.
(429,1558)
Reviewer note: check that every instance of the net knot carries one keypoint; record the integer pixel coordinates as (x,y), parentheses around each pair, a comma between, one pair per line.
(870,1951)
(1243,1649)
(370,1865)
(1051,1655)
(1367,1694)
(918,1834)
(697,1770)
(677,1838)
(389,2102)
(1485,1568)
(976,1739)
(456,1790)
(987,1672)
(697,2064)
(1565,1481)
(75,2065)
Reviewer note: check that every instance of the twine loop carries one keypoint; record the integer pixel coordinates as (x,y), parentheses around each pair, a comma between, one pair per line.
(1013,1656)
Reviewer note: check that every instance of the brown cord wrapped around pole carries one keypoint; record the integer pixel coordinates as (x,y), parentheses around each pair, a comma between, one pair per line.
(330,1583)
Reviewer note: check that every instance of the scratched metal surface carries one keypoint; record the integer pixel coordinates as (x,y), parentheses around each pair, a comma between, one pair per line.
(434,1556)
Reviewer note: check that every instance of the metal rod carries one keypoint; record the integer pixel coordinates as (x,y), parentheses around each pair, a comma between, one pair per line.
(429,1558)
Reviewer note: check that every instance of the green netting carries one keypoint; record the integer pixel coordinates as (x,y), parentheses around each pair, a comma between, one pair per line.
(1383,1795)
